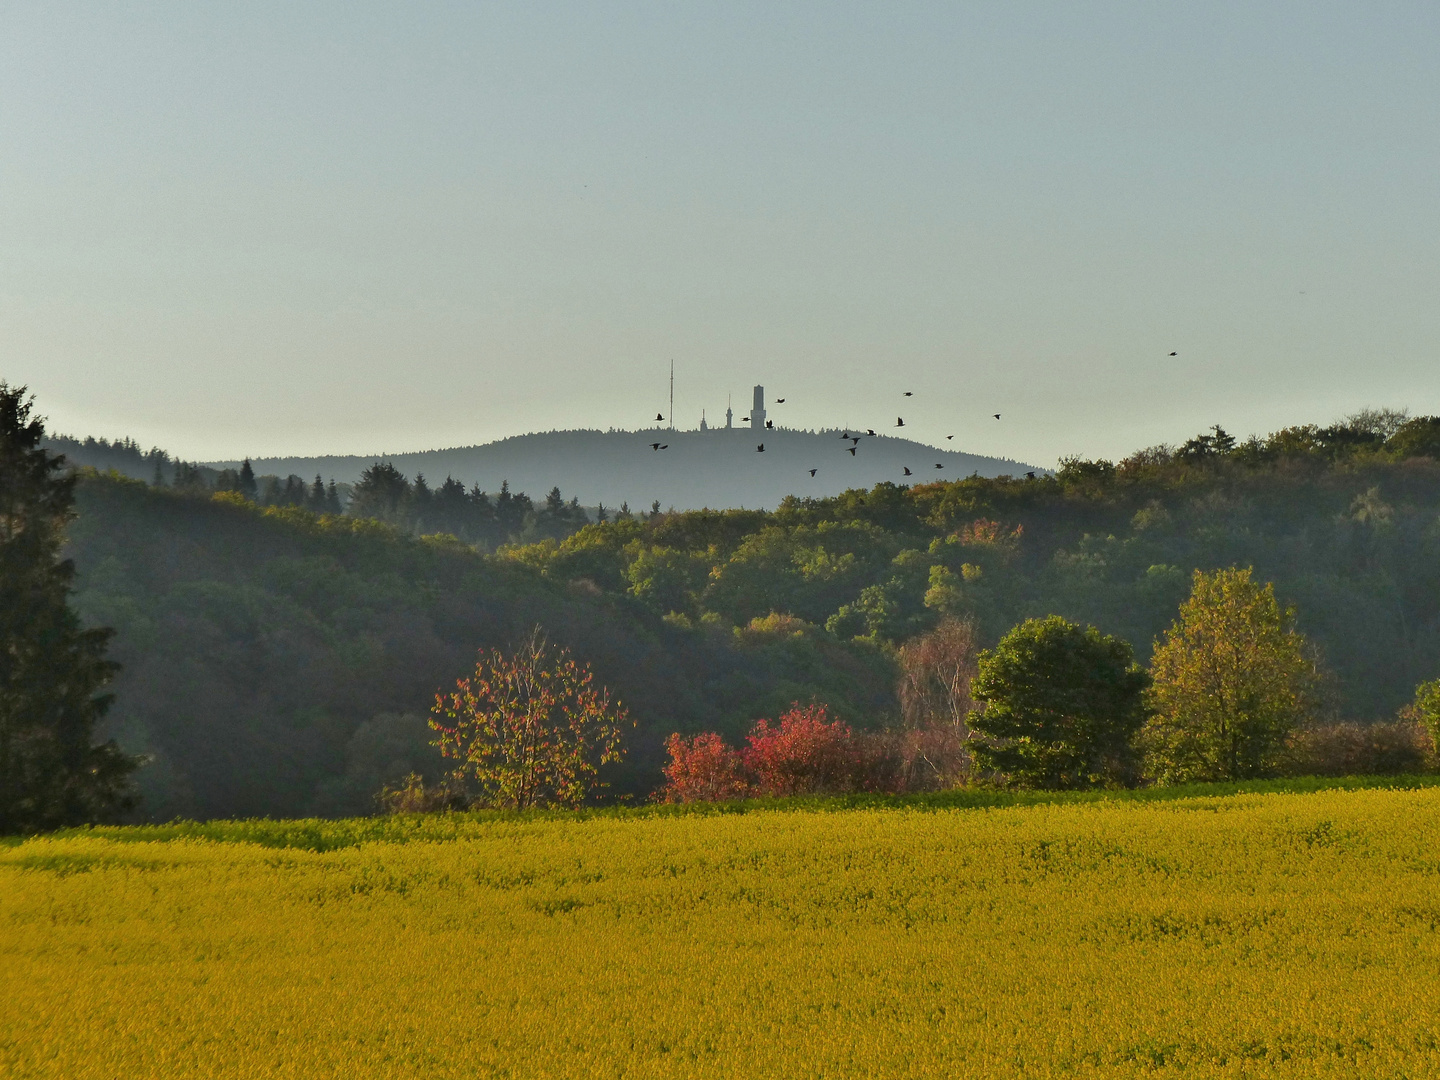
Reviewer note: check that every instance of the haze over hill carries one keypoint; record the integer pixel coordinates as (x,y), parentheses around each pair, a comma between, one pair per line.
(716,468)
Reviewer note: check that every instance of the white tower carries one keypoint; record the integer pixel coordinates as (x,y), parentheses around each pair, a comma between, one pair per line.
(757,410)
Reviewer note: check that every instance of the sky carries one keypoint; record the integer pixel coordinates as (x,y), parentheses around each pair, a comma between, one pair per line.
(277,228)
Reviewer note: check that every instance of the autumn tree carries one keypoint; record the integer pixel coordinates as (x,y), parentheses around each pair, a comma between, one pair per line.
(52,672)
(1231,682)
(1062,705)
(934,691)
(529,728)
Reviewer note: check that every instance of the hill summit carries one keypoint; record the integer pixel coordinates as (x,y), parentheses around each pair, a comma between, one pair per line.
(718,468)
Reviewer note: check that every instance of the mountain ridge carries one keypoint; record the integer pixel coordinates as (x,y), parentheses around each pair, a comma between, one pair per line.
(718,468)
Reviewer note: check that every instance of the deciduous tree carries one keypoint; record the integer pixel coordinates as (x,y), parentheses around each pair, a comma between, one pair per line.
(530,728)
(1062,705)
(1231,682)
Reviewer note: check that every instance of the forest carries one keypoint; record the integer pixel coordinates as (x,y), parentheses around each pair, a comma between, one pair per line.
(279,659)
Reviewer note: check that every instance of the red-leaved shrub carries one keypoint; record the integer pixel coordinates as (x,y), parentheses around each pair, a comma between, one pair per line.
(703,769)
(805,752)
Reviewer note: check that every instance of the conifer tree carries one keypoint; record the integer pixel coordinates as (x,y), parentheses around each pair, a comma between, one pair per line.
(248,487)
(52,672)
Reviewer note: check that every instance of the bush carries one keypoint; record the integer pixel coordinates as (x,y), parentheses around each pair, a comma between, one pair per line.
(804,752)
(412,796)
(703,769)
(1348,749)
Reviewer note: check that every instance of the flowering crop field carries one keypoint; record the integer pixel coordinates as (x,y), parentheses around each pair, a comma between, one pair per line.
(1244,936)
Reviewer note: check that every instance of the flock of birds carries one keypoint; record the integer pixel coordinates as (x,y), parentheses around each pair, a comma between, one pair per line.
(854,440)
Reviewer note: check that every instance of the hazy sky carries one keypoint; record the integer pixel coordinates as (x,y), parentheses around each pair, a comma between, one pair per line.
(263,228)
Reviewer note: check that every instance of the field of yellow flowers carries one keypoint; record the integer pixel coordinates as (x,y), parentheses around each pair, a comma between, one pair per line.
(1245,936)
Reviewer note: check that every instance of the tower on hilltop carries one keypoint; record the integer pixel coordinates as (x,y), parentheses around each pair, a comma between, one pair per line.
(757,410)
(729,416)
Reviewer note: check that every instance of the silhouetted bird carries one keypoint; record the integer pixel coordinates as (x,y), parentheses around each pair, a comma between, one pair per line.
(845,436)
(907,469)
(1029,476)
(779,401)
(870,431)
(654,446)
(659,417)
(770,424)
(949,436)
(760,449)
(997,416)
(850,450)
(1172,354)
(938,465)
(909,394)
(814,471)
(855,439)
(744,419)
(899,421)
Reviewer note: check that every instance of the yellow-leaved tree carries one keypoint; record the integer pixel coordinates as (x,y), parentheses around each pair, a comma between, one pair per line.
(1231,682)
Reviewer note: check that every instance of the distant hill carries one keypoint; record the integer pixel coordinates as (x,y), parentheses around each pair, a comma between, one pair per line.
(716,468)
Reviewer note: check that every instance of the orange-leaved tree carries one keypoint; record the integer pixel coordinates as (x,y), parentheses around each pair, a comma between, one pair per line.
(530,728)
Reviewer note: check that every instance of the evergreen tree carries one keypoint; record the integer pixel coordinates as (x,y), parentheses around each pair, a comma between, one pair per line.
(51,671)
(383,493)
(248,487)
(332,499)
(315,503)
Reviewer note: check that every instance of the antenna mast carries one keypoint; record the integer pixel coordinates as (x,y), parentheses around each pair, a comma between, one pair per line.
(672,395)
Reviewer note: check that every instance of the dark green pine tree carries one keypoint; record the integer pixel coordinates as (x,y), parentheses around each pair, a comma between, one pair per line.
(315,502)
(332,498)
(248,487)
(52,672)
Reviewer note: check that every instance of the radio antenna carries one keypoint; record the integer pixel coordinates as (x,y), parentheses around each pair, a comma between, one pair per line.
(672,395)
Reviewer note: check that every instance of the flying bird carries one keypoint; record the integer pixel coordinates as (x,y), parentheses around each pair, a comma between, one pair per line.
(770,424)
(814,471)
(1172,354)
(779,401)
(907,470)
(870,431)
(909,394)
(659,417)
(899,421)
(850,450)
(997,416)
(855,439)
(938,465)
(744,419)
(949,436)
(1029,476)
(760,449)
(845,436)
(654,446)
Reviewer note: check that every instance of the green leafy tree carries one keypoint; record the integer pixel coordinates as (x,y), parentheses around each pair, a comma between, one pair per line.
(529,729)
(1062,705)
(52,672)
(1231,682)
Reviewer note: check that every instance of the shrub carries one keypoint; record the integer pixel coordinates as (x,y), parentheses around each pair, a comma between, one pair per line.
(1349,749)
(804,752)
(412,796)
(703,769)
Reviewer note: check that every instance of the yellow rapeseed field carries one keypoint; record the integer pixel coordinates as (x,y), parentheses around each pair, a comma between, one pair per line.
(1248,936)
